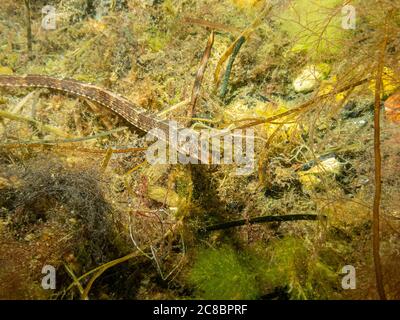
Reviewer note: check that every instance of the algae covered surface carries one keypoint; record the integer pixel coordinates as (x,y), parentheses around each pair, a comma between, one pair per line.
(304,204)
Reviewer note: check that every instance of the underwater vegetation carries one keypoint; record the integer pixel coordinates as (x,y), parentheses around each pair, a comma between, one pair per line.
(309,89)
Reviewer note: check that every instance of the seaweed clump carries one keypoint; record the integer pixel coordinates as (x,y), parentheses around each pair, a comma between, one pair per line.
(63,213)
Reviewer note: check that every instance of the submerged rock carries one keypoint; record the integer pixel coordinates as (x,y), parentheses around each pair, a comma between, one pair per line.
(310,179)
(357,114)
(392,108)
(309,78)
